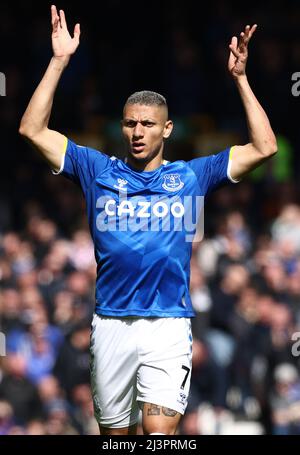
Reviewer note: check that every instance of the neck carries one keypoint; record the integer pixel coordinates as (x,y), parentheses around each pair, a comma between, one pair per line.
(140,165)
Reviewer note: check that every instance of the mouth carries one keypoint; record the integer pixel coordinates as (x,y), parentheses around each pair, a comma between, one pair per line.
(138,146)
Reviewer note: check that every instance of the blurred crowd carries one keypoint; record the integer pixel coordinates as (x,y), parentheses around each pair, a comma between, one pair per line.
(46,303)
(246,292)
(245,274)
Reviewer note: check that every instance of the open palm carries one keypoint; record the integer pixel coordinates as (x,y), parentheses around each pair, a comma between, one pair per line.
(63,44)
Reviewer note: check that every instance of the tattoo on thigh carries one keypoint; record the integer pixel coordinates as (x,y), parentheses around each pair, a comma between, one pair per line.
(153,410)
(169,412)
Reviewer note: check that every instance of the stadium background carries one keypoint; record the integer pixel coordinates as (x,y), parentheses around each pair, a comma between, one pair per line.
(245,279)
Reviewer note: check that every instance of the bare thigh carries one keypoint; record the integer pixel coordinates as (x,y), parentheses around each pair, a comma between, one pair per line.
(118,431)
(160,419)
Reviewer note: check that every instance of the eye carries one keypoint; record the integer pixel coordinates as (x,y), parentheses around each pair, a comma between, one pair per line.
(147,123)
(129,123)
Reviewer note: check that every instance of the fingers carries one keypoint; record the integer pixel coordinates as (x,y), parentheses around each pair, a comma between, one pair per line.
(231,61)
(246,35)
(63,22)
(60,21)
(252,30)
(77,32)
(54,18)
(233,47)
(53,13)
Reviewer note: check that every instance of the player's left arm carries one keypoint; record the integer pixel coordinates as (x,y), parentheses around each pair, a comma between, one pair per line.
(262,141)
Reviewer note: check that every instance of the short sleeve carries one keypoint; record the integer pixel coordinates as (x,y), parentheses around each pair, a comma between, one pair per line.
(212,171)
(82,164)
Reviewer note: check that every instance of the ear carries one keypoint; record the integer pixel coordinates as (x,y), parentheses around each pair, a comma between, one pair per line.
(168,129)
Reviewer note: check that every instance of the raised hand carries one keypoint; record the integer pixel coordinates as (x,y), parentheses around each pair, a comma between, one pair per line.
(239,52)
(63,44)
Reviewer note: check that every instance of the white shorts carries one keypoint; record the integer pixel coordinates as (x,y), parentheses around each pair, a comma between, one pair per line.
(137,360)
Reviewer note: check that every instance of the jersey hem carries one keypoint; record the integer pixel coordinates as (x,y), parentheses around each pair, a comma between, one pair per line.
(145,314)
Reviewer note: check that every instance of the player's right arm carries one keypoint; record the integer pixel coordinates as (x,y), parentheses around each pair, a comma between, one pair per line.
(34,123)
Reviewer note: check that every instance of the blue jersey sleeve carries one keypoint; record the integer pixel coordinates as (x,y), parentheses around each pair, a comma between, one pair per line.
(82,164)
(212,171)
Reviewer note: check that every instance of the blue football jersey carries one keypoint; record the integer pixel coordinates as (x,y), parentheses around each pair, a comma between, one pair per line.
(142,224)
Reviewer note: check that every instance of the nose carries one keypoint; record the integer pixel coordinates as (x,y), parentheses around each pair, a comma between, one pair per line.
(138,131)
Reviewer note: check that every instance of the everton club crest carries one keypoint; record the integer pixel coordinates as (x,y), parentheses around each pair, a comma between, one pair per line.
(172,182)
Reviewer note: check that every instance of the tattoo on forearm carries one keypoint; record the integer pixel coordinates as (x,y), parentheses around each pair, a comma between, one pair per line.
(153,410)
(169,412)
